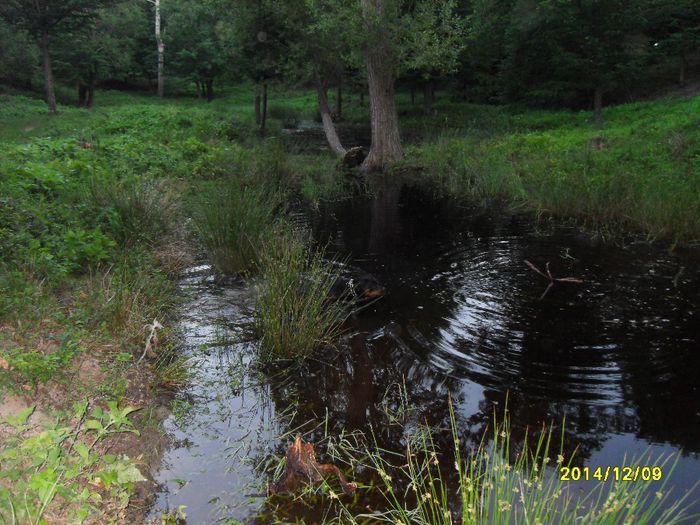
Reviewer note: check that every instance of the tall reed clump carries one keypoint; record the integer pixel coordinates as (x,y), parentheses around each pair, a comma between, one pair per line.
(234,222)
(294,315)
(489,486)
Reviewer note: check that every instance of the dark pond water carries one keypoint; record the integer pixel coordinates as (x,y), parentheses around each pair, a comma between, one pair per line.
(310,137)
(617,357)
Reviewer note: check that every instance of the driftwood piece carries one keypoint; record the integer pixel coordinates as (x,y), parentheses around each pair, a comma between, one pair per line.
(301,467)
(551,278)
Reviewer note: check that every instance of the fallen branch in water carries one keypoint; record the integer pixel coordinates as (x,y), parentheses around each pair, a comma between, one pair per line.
(551,278)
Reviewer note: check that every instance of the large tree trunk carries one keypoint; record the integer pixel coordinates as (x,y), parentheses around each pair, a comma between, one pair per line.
(339,99)
(386,142)
(161,51)
(210,89)
(198,88)
(328,125)
(598,107)
(428,96)
(90,99)
(263,115)
(48,73)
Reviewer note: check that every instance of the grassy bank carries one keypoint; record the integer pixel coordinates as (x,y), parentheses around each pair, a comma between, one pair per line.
(641,171)
(90,240)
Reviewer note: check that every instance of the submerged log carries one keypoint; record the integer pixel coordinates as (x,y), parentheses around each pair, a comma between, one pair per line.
(301,467)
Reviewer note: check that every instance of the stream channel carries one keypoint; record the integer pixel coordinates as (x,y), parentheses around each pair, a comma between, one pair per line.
(616,357)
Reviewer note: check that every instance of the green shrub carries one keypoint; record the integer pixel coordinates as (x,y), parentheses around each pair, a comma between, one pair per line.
(289,117)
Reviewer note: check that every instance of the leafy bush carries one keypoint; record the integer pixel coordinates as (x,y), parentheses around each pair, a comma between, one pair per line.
(60,464)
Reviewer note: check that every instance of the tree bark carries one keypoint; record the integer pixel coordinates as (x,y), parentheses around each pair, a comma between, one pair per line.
(198,89)
(362,98)
(386,142)
(428,96)
(258,114)
(82,89)
(339,99)
(681,73)
(48,73)
(90,98)
(413,94)
(598,107)
(161,51)
(263,115)
(328,125)
(210,89)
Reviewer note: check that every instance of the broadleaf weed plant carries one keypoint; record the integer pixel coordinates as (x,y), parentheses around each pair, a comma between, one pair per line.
(60,463)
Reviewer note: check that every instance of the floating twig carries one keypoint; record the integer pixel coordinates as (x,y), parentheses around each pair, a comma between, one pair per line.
(551,278)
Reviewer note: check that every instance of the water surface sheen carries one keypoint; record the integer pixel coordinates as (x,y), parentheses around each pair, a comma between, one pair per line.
(616,357)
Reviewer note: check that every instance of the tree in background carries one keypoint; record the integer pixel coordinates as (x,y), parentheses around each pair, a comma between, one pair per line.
(160,45)
(591,46)
(432,40)
(104,47)
(194,36)
(380,19)
(42,18)
(674,28)
(19,57)
(259,37)
(486,23)
(323,54)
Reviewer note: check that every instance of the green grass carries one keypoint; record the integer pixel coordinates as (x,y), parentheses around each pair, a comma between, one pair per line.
(640,172)
(439,479)
(293,312)
(500,483)
(234,221)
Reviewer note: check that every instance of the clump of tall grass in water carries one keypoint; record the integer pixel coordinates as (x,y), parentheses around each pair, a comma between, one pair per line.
(233,223)
(294,314)
(489,486)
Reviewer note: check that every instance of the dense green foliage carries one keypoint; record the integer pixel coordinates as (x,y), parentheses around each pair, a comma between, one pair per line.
(643,170)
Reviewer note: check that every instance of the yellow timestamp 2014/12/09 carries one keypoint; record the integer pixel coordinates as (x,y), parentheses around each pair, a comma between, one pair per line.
(635,473)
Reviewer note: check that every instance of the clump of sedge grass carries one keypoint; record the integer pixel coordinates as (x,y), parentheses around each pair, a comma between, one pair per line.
(233,223)
(294,314)
(493,488)
(143,210)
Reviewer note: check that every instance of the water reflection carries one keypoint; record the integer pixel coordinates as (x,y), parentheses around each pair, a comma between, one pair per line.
(616,357)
